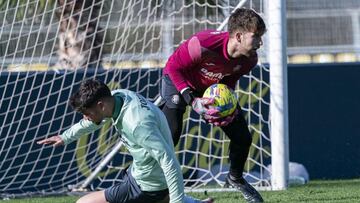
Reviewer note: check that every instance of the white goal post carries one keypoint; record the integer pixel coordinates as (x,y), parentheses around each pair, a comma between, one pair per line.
(278,95)
(48,47)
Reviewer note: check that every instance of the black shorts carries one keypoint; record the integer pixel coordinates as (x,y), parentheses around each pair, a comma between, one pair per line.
(129,191)
(171,97)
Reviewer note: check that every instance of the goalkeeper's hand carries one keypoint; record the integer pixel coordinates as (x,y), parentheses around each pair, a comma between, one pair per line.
(54,140)
(224,121)
(203,106)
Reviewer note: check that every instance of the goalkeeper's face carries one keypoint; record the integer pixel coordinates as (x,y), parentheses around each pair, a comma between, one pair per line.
(250,42)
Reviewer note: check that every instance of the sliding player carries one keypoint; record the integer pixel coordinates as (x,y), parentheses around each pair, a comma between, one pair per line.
(155,174)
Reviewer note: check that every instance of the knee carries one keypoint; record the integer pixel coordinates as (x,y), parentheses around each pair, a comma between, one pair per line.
(94,197)
(84,199)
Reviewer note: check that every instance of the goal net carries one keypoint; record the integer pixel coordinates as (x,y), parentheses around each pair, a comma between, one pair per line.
(48,47)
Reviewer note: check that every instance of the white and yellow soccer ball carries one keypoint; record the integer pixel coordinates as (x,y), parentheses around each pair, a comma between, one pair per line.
(225,98)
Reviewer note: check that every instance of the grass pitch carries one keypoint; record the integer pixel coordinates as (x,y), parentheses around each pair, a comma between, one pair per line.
(313,192)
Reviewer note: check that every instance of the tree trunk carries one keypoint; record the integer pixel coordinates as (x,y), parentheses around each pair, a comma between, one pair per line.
(80,37)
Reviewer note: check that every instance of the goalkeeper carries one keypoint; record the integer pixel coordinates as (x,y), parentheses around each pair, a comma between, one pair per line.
(210,57)
(155,174)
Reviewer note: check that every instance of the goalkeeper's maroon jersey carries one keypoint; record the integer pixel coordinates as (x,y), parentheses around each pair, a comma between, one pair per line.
(203,60)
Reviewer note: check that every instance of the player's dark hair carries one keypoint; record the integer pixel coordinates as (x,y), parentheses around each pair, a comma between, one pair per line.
(89,93)
(247,20)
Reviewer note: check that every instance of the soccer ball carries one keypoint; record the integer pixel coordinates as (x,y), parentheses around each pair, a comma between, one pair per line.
(225,98)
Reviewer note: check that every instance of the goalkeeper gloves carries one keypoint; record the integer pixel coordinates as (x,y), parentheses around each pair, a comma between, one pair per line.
(221,121)
(201,105)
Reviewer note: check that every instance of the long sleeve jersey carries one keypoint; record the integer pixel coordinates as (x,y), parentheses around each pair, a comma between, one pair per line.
(146,134)
(203,60)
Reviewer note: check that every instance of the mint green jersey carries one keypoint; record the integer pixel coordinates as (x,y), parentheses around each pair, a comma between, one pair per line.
(145,132)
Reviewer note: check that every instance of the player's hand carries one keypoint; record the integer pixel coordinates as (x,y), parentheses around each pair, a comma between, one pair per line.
(203,106)
(54,140)
(223,121)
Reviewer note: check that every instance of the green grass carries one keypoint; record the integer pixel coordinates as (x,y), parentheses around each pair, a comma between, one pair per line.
(315,191)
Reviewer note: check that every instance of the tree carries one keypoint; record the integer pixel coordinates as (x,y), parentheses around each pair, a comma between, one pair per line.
(23,9)
(80,36)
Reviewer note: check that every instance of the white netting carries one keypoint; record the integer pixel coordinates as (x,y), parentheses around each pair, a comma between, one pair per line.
(48,47)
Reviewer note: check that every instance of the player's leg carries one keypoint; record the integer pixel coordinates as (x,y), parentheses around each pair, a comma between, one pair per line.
(126,191)
(173,107)
(94,197)
(175,120)
(130,192)
(240,142)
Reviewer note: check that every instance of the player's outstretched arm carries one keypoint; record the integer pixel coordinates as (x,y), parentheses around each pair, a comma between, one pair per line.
(54,140)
